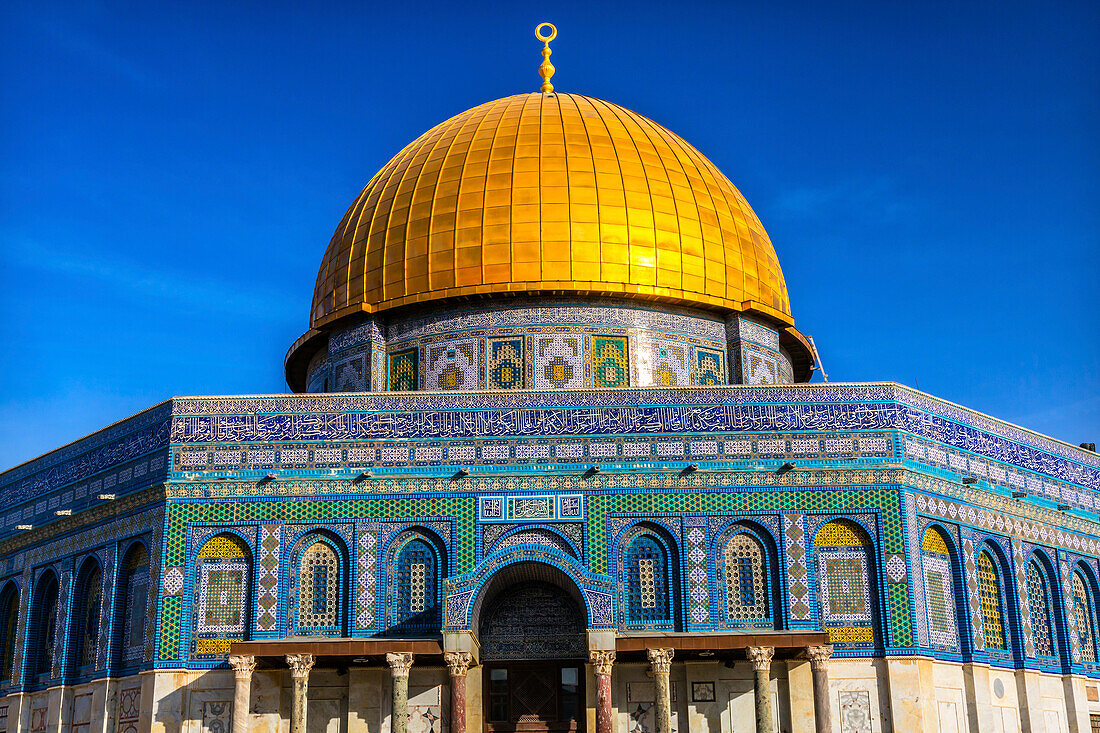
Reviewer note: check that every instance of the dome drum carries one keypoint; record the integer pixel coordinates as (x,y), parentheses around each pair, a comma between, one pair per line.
(548,343)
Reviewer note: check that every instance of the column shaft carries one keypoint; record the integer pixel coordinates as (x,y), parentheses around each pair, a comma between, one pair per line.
(457,664)
(660,664)
(602,661)
(761,657)
(819,669)
(300,664)
(242,665)
(400,663)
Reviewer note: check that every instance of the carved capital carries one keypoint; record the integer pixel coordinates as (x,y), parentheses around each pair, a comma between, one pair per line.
(819,656)
(602,660)
(400,663)
(300,664)
(457,662)
(660,660)
(242,665)
(761,657)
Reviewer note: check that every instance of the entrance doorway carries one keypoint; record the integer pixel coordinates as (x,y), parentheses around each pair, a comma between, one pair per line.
(533,648)
(534,698)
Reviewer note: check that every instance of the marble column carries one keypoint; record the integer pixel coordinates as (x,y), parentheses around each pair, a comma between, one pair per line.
(400,664)
(660,663)
(819,669)
(602,661)
(457,664)
(242,665)
(299,664)
(761,658)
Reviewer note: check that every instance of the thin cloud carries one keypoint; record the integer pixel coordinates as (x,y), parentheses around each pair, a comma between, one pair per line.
(206,294)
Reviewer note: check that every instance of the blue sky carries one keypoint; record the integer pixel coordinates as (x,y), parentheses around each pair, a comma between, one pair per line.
(171,173)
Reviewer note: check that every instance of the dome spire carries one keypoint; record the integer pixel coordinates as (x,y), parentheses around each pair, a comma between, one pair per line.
(546,69)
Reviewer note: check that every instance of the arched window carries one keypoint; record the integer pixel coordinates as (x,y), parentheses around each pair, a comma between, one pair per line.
(992,602)
(222,573)
(43,629)
(746,579)
(844,584)
(647,587)
(84,630)
(939,589)
(9,624)
(1084,610)
(416,587)
(131,607)
(319,590)
(1038,604)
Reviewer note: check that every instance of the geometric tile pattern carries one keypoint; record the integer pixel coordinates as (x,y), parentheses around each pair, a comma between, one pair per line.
(709,367)
(365,581)
(664,364)
(558,362)
(611,363)
(452,365)
(267,581)
(404,371)
(798,586)
(695,552)
(505,367)
(1022,597)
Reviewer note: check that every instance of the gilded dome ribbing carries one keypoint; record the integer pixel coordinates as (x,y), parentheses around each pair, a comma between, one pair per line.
(549,193)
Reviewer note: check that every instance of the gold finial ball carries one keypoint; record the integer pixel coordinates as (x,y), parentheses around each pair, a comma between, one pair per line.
(548,38)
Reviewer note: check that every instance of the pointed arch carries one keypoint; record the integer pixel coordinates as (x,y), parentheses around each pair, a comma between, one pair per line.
(9,627)
(84,622)
(318,587)
(747,563)
(42,630)
(941,594)
(1083,588)
(991,599)
(417,564)
(846,591)
(648,579)
(222,581)
(131,607)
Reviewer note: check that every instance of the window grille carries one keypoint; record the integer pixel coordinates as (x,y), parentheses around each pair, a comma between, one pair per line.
(746,586)
(319,587)
(989,597)
(1083,610)
(939,589)
(1038,603)
(134,601)
(647,589)
(416,605)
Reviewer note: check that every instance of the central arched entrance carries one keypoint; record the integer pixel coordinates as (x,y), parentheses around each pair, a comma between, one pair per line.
(532,626)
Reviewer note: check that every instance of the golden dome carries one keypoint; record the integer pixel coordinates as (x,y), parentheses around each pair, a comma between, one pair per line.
(549,193)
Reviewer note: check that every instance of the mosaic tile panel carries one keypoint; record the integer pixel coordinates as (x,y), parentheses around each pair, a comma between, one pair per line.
(452,365)
(710,367)
(696,556)
(267,581)
(610,362)
(405,371)
(1022,598)
(758,367)
(366,579)
(798,587)
(664,364)
(505,365)
(558,362)
(351,375)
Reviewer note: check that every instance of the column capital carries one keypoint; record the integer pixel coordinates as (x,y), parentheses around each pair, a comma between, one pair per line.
(242,664)
(400,663)
(818,656)
(300,664)
(602,660)
(660,660)
(457,662)
(760,656)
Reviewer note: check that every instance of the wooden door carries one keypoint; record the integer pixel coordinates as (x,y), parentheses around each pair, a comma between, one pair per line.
(545,697)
